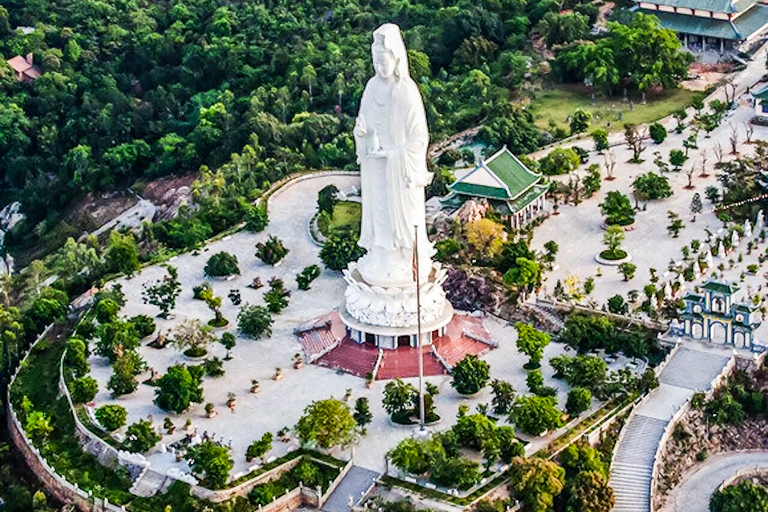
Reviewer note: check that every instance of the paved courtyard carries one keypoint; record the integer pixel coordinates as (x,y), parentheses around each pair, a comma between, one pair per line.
(280,404)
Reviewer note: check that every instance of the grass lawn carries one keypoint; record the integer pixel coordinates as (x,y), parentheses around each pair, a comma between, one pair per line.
(559,103)
(346,216)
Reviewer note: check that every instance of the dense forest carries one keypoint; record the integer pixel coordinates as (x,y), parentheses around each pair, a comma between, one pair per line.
(133,90)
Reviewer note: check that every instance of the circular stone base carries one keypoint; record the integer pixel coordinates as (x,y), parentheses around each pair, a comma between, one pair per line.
(613,263)
(380,330)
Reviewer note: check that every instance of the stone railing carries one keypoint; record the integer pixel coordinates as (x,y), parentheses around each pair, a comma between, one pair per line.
(335,483)
(566,306)
(756,471)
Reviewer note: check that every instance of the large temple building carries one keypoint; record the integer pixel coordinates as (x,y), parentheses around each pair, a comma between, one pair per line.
(711,25)
(511,188)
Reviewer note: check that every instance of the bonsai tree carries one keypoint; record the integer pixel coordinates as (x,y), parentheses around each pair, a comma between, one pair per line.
(617,209)
(328,423)
(309,274)
(531,342)
(677,158)
(612,238)
(326,199)
(199,292)
(617,305)
(163,292)
(657,132)
(111,417)
(210,462)
(600,138)
(696,205)
(141,437)
(192,337)
(271,251)
(259,447)
(362,414)
(143,324)
(277,296)
(179,387)
(675,224)
(635,137)
(214,304)
(254,321)
(470,375)
(222,264)
(229,341)
(126,366)
(627,270)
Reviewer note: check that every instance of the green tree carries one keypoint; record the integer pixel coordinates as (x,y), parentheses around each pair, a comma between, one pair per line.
(163,292)
(591,182)
(589,490)
(338,251)
(531,342)
(122,255)
(309,274)
(260,447)
(125,368)
(38,427)
(634,136)
(111,417)
(559,161)
(470,375)
(675,224)
(141,436)
(600,138)
(326,199)
(84,389)
(651,186)
(271,251)
(657,132)
(677,158)
(579,400)
(222,264)
(178,388)
(536,482)
(580,121)
(535,415)
(211,462)
(745,496)
(503,397)
(524,274)
(328,423)
(612,239)
(617,305)
(398,396)
(254,321)
(696,205)
(627,270)
(617,209)
(362,413)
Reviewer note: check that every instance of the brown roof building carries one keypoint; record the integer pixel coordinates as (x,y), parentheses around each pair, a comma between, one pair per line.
(25,69)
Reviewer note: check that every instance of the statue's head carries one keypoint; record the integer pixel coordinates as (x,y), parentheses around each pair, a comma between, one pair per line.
(389,55)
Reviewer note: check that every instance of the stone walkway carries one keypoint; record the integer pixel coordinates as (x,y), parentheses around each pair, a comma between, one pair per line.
(699,484)
(688,370)
(355,484)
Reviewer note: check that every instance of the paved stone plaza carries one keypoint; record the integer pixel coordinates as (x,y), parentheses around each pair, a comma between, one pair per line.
(280,404)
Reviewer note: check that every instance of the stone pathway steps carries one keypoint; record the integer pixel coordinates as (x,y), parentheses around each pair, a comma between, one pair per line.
(148,484)
(632,466)
(355,484)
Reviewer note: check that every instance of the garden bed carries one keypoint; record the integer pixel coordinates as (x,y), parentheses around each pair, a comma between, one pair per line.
(613,262)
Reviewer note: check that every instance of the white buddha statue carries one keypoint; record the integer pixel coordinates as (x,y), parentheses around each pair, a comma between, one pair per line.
(391,141)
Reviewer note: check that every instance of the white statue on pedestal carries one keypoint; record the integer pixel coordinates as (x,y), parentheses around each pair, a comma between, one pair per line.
(391,141)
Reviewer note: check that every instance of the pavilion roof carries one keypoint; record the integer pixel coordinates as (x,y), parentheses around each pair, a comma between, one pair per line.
(720,287)
(726,6)
(502,176)
(738,29)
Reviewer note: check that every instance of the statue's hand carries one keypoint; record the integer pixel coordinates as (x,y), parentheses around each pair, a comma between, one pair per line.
(377,153)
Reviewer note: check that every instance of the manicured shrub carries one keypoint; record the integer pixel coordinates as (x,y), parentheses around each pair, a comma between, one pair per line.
(144,325)
(579,400)
(84,389)
(222,264)
(111,416)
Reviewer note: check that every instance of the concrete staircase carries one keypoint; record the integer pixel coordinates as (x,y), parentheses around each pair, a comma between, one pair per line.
(357,482)
(688,370)
(633,464)
(147,484)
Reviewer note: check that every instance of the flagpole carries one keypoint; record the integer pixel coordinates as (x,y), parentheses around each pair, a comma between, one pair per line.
(418,324)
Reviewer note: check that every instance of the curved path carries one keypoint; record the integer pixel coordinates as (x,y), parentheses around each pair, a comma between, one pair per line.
(703,480)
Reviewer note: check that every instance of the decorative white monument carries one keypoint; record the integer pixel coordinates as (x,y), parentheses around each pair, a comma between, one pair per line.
(391,141)
(759,222)
(747,230)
